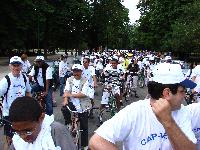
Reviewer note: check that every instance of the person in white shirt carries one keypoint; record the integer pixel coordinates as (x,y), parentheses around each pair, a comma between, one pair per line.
(63,68)
(36,131)
(13,85)
(195,116)
(25,63)
(77,97)
(89,74)
(42,74)
(155,123)
(196,79)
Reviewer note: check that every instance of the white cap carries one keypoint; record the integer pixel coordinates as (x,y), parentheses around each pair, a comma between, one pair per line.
(39,58)
(166,73)
(168,57)
(15,60)
(77,67)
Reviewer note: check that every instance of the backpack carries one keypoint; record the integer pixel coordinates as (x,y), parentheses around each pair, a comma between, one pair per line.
(85,102)
(8,81)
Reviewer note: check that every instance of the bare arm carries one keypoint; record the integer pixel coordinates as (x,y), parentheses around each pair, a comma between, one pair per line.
(177,138)
(98,143)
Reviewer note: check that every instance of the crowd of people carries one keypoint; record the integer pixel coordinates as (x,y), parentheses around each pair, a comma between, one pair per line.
(160,121)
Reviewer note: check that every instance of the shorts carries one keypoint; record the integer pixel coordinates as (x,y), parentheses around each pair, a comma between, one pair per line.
(106,94)
(8,131)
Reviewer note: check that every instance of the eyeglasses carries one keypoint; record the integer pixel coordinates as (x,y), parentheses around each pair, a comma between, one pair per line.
(25,133)
(85,62)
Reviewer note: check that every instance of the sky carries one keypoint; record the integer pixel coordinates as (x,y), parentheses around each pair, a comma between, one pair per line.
(134,13)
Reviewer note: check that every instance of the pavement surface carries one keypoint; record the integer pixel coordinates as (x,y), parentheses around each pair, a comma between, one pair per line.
(4,69)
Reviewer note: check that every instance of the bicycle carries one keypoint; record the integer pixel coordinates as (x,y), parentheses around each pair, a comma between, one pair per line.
(111,107)
(74,128)
(141,79)
(129,88)
(39,96)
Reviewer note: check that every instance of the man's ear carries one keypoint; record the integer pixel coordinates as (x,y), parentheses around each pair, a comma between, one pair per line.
(166,93)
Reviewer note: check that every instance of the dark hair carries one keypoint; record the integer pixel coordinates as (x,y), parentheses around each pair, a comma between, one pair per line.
(25,109)
(88,59)
(155,89)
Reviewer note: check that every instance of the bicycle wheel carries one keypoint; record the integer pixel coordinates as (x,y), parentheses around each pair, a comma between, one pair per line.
(128,93)
(113,106)
(103,115)
(141,82)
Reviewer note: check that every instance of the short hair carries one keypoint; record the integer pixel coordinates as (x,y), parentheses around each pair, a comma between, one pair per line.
(25,109)
(155,89)
(88,59)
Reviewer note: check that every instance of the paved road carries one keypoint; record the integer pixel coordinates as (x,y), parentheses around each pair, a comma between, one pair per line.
(58,115)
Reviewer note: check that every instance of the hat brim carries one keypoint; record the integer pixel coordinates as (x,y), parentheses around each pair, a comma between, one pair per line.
(188,84)
(16,62)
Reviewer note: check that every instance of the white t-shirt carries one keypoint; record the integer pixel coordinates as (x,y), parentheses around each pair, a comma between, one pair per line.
(195,115)
(138,128)
(89,73)
(63,67)
(76,89)
(25,66)
(196,73)
(17,89)
(39,76)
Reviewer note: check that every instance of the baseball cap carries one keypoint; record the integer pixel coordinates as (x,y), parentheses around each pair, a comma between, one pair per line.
(166,73)
(77,67)
(39,58)
(15,60)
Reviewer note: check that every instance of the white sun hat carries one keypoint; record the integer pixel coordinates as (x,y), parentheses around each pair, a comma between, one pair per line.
(166,73)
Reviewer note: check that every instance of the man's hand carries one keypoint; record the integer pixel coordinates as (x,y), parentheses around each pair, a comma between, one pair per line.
(162,110)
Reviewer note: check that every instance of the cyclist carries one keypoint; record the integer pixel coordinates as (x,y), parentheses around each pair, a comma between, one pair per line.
(63,67)
(112,74)
(196,79)
(195,115)
(36,131)
(133,69)
(76,94)
(25,63)
(155,123)
(42,74)
(13,85)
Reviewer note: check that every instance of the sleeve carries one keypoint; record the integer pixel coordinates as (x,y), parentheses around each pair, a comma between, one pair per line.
(28,86)
(60,68)
(62,137)
(92,70)
(67,86)
(28,64)
(119,127)
(86,90)
(49,73)
(3,86)
(32,72)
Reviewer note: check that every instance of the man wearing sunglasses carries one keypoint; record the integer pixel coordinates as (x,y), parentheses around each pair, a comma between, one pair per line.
(33,130)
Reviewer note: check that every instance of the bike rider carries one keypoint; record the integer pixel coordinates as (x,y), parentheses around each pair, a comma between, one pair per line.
(155,123)
(14,85)
(133,69)
(42,74)
(77,96)
(63,68)
(36,131)
(112,75)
